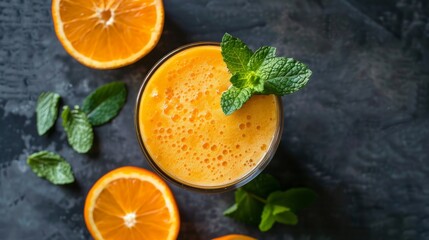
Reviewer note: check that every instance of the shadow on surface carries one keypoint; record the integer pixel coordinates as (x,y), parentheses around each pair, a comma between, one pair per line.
(326,218)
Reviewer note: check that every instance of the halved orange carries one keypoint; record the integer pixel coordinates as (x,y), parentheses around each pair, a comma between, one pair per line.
(108,34)
(234,237)
(131,203)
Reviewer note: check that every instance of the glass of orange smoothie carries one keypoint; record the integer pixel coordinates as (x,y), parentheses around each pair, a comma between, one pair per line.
(183,132)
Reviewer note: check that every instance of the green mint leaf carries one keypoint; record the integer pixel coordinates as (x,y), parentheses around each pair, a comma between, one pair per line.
(234,98)
(260,56)
(295,198)
(286,217)
(103,104)
(235,53)
(262,185)
(78,129)
(267,218)
(246,209)
(247,80)
(283,75)
(51,166)
(275,213)
(277,209)
(47,111)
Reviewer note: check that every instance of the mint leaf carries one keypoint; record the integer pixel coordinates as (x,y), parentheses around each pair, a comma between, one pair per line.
(283,75)
(262,185)
(275,213)
(260,56)
(248,80)
(267,218)
(246,209)
(46,111)
(51,166)
(234,98)
(286,217)
(295,198)
(103,104)
(78,129)
(235,53)
(279,209)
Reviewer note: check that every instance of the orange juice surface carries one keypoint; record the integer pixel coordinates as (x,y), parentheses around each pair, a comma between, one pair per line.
(185,131)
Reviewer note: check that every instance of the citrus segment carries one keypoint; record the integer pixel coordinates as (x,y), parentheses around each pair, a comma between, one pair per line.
(108,34)
(131,203)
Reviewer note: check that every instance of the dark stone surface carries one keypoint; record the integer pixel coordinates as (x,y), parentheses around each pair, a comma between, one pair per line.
(358,134)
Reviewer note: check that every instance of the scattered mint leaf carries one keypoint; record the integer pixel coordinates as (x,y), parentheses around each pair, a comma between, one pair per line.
(246,209)
(261,55)
(234,98)
(262,185)
(78,129)
(267,218)
(295,198)
(258,73)
(261,203)
(235,53)
(47,111)
(51,166)
(103,104)
(283,75)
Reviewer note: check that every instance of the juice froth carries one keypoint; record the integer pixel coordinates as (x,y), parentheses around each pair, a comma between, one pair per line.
(185,131)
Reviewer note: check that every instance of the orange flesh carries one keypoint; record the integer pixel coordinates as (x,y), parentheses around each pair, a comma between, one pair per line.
(108,30)
(109,214)
(131,203)
(185,131)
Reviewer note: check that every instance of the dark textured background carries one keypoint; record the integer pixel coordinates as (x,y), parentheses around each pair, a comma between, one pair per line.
(358,134)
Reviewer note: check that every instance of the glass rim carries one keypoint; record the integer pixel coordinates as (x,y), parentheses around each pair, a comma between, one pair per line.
(266,159)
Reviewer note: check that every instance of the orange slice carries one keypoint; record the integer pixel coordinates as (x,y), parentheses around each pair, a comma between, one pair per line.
(131,203)
(107,34)
(234,237)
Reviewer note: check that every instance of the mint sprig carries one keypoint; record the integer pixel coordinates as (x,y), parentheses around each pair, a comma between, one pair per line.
(258,73)
(46,111)
(51,166)
(261,203)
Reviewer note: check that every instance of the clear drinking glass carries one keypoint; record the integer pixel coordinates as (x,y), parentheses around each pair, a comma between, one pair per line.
(209,189)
